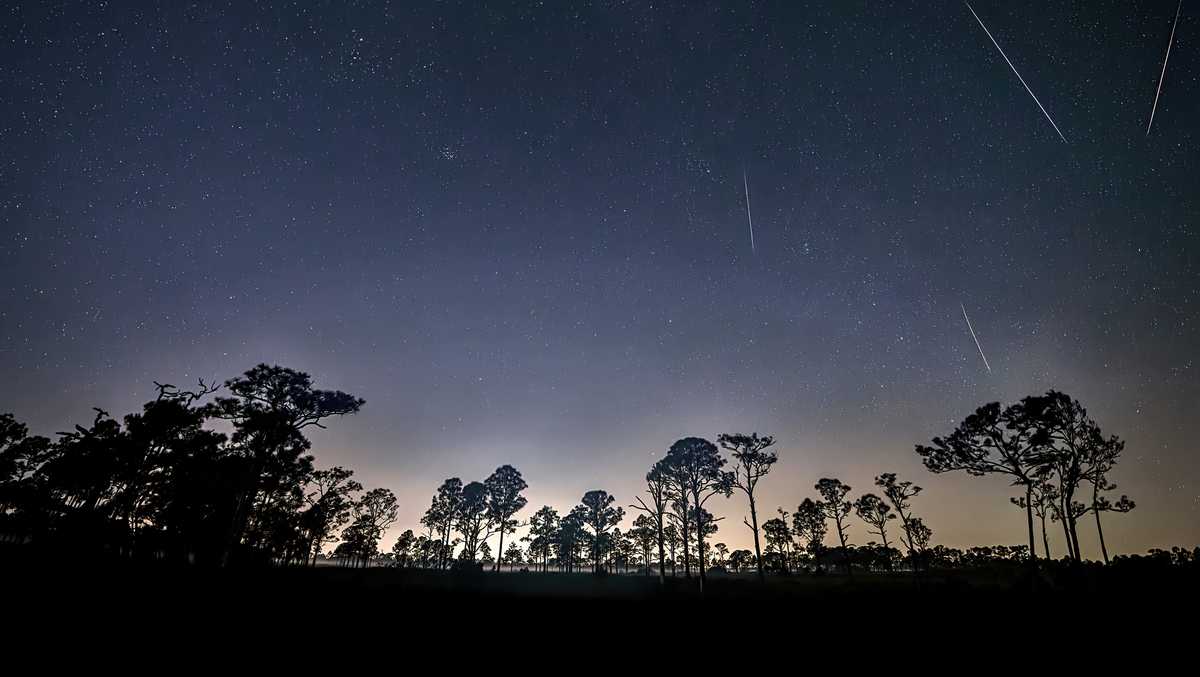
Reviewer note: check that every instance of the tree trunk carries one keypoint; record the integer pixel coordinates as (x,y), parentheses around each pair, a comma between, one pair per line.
(1067,535)
(687,560)
(1029,520)
(1075,539)
(1100,533)
(845,550)
(762,577)
(662,565)
(699,539)
(1045,541)
(500,552)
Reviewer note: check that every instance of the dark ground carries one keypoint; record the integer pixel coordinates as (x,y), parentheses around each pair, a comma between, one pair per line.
(123,605)
(40,580)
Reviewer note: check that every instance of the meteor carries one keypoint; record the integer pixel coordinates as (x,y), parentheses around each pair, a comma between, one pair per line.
(972,330)
(1014,70)
(749,220)
(1162,75)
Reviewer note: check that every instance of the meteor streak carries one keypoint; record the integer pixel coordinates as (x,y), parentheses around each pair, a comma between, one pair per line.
(749,220)
(1014,70)
(1162,75)
(972,330)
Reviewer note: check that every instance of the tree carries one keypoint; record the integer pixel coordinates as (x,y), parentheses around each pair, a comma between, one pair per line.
(1102,504)
(504,489)
(753,463)
(808,523)
(1103,456)
(739,560)
(1044,497)
(837,508)
(329,496)
(485,553)
(720,554)
(992,441)
(270,409)
(543,528)
(20,457)
(658,488)
(404,549)
(645,533)
(571,535)
(513,556)
(474,520)
(600,515)
(876,513)
(673,540)
(695,468)
(1074,450)
(920,534)
(900,494)
(779,539)
(373,514)
(439,518)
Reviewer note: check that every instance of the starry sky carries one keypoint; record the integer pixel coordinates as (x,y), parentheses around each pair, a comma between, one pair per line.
(519,231)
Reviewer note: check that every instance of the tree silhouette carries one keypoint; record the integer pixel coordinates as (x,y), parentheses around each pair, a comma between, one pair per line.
(485,554)
(646,532)
(992,441)
(571,536)
(442,513)
(658,488)
(779,539)
(373,514)
(600,515)
(1102,504)
(739,560)
(876,513)
(695,468)
(673,540)
(330,499)
(543,529)
(405,549)
(513,556)
(720,554)
(808,523)
(837,508)
(1073,450)
(474,521)
(504,488)
(1044,497)
(753,463)
(900,494)
(920,534)
(270,408)
(20,457)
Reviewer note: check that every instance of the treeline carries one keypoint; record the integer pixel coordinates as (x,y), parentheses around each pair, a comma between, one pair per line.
(163,484)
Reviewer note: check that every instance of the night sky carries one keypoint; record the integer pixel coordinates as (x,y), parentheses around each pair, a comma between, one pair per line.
(520,233)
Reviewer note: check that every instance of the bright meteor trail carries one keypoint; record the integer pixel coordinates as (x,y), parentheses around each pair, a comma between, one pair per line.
(1014,70)
(972,330)
(746,185)
(1162,75)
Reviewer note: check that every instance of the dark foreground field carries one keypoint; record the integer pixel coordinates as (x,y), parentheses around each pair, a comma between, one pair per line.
(115,585)
(263,608)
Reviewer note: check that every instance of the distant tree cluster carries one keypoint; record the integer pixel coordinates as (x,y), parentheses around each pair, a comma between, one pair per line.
(162,484)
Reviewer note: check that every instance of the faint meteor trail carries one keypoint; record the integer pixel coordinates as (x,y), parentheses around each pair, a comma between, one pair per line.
(746,185)
(1014,70)
(1162,75)
(972,330)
